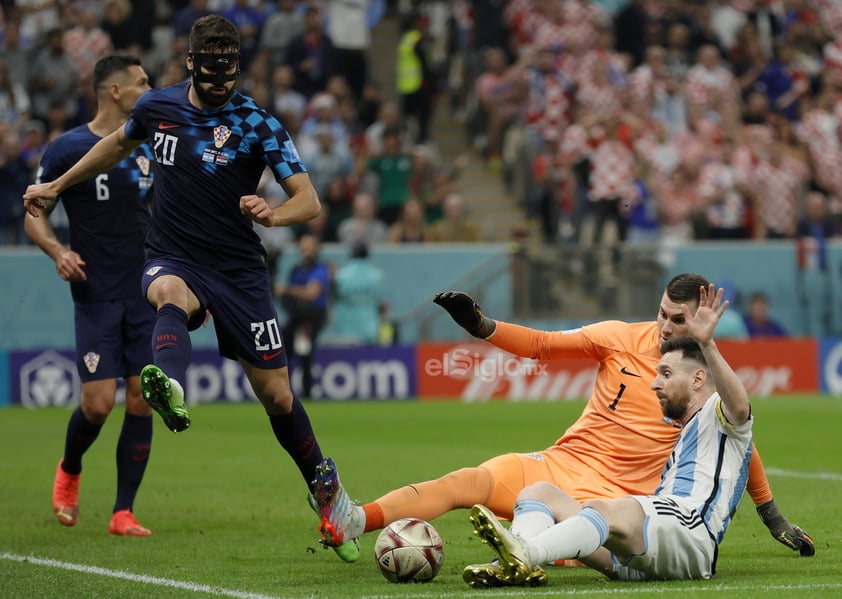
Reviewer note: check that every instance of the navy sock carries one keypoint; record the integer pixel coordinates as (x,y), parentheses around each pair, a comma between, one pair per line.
(81,434)
(132,456)
(295,434)
(171,345)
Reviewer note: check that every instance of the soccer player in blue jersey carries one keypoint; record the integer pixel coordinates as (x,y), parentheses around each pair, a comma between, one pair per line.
(673,534)
(109,218)
(211,145)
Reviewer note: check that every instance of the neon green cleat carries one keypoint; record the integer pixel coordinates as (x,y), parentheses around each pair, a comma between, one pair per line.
(165,396)
(514,564)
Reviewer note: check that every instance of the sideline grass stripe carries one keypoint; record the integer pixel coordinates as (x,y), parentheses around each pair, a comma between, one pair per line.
(165,582)
(810,475)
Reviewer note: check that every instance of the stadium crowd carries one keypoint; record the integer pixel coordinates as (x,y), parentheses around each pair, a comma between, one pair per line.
(645,120)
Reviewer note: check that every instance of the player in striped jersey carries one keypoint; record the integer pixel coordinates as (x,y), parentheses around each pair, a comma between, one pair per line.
(673,534)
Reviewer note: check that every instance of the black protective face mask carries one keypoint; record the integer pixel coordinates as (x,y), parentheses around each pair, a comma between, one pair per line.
(218,75)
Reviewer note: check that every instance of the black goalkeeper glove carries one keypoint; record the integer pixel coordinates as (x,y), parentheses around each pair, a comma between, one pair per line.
(466,312)
(790,535)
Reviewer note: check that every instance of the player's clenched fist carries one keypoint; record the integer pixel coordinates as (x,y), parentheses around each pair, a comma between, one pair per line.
(257,209)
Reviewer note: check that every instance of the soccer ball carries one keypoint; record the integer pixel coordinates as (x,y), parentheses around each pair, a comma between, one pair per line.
(409,550)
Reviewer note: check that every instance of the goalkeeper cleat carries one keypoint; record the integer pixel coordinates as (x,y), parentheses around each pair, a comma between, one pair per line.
(165,396)
(349,551)
(511,554)
(123,523)
(66,496)
(335,506)
(488,576)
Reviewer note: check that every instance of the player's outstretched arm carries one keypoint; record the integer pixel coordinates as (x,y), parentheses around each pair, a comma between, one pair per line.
(105,155)
(466,312)
(780,528)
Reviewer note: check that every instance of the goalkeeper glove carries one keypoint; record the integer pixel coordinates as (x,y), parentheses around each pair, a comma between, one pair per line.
(790,535)
(466,312)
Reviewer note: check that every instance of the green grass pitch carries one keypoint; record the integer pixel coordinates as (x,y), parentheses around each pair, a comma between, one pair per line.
(229,518)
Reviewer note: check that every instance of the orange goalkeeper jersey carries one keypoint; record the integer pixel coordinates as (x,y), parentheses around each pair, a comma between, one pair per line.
(622,434)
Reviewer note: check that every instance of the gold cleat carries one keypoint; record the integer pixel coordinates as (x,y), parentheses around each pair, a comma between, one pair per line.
(514,564)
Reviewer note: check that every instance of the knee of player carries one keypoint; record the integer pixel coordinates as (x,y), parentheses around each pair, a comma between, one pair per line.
(542,491)
(277,399)
(97,406)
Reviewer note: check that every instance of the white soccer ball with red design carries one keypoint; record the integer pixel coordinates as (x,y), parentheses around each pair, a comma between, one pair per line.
(409,550)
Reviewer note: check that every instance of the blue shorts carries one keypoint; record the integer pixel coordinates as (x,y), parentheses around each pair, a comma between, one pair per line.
(113,339)
(244,314)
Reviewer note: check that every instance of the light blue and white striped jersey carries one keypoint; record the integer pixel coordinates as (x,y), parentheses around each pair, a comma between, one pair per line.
(708,467)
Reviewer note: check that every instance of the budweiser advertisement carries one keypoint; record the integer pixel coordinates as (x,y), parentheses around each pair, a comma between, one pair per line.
(475,371)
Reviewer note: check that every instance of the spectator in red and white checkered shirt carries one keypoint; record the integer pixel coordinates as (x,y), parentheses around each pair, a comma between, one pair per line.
(775,191)
(820,131)
(602,79)
(724,187)
(612,182)
(711,88)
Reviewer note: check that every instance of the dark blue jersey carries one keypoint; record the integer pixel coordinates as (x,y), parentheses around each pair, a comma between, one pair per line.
(303,273)
(108,214)
(206,160)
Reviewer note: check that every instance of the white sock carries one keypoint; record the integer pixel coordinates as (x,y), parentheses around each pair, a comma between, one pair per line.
(573,538)
(531,517)
(356,524)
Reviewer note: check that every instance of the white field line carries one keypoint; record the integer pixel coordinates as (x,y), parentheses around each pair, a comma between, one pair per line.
(142,578)
(624,589)
(810,475)
(621,588)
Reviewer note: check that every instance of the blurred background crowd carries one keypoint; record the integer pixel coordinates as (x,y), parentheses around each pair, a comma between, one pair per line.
(605,121)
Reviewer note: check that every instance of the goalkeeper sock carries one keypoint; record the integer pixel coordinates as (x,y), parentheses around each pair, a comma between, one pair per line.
(81,434)
(171,345)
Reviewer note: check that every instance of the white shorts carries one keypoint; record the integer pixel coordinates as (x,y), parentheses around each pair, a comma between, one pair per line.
(677,544)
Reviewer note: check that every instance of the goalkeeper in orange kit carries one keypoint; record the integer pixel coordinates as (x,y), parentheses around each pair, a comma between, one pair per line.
(618,446)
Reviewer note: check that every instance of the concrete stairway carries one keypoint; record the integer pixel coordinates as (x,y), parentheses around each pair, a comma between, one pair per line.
(489,205)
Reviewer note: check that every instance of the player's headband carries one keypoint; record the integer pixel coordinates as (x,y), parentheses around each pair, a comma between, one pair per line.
(217,64)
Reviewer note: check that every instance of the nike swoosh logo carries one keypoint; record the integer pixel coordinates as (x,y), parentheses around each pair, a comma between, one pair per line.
(163,125)
(272,356)
(163,345)
(624,371)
